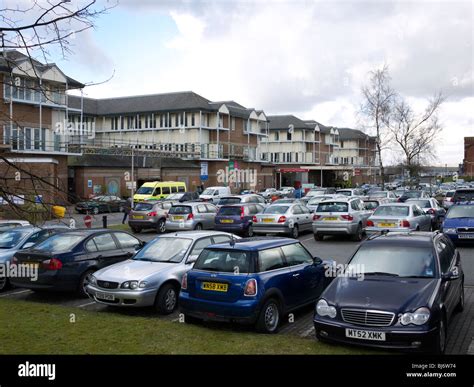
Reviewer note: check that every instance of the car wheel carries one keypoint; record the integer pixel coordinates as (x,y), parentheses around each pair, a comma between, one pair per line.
(136,230)
(295,232)
(460,305)
(167,299)
(198,227)
(249,232)
(359,234)
(440,344)
(269,318)
(83,282)
(318,237)
(95,210)
(161,226)
(4,284)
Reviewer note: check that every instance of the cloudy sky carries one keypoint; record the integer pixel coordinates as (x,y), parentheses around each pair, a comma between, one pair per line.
(308,58)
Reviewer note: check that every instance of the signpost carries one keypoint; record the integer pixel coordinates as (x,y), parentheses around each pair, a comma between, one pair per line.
(88,221)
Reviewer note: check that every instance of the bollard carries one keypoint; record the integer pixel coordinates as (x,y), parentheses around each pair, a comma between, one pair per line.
(104,221)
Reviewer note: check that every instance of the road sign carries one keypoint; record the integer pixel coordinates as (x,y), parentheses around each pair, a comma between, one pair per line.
(357,172)
(88,221)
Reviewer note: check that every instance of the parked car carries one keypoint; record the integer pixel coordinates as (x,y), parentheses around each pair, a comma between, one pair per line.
(268,193)
(416,283)
(315,200)
(399,192)
(253,281)
(290,219)
(287,191)
(20,238)
(398,217)
(373,204)
(98,204)
(149,215)
(213,194)
(237,218)
(320,191)
(458,224)
(66,261)
(241,199)
(341,216)
(432,208)
(388,195)
(153,276)
(413,194)
(448,199)
(156,190)
(191,216)
(182,197)
(247,192)
(350,192)
(6,225)
(288,201)
(463,195)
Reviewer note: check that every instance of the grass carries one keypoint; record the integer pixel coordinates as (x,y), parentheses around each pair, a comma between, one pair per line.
(38,328)
(121,227)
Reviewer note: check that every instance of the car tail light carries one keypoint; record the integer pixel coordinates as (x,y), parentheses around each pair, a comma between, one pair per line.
(242,212)
(190,216)
(184,281)
(251,287)
(405,223)
(254,219)
(347,217)
(370,223)
(282,219)
(52,264)
(153,213)
(316,217)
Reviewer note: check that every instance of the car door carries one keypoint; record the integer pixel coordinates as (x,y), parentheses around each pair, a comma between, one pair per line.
(103,250)
(424,219)
(200,215)
(447,257)
(307,277)
(307,218)
(211,212)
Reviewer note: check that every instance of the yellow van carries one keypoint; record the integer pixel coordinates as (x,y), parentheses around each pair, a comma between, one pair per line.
(158,190)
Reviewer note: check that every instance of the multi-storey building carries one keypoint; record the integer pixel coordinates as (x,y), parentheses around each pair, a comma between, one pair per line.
(468,162)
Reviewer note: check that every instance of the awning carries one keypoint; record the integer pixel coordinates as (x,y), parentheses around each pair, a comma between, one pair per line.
(289,170)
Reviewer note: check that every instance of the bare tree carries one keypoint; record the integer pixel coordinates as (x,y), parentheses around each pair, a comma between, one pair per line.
(379,99)
(414,133)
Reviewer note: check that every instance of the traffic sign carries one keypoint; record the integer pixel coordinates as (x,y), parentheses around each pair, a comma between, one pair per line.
(88,221)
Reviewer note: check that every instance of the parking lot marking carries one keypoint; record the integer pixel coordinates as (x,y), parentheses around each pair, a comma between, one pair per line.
(14,293)
(82,305)
(306,239)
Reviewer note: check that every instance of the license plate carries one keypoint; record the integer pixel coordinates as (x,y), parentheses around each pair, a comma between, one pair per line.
(466,236)
(227,220)
(330,218)
(365,335)
(267,220)
(138,217)
(215,286)
(178,217)
(105,296)
(387,224)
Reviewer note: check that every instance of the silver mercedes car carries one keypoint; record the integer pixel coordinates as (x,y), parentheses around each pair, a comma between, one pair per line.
(153,276)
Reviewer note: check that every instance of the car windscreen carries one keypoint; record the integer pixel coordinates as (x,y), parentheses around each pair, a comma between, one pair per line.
(460,211)
(208,192)
(402,261)
(164,249)
(392,211)
(143,206)
(412,194)
(464,196)
(176,196)
(223,261)
(230,200)
(421,203)
(276,210)
(378,194)
(449,194)
(60,242)
(371,204)
(345,193)
(317,199)
(145,190)
(316,193)
(11,238)
(229,211)
(180,210)
(333,207)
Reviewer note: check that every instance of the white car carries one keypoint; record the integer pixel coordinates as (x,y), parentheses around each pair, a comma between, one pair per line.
(213,194)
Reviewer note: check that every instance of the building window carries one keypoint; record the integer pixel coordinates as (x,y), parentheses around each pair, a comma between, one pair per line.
(193,119)
(277,136)
(232,123)
(122,122)
(288,136)
(342,144)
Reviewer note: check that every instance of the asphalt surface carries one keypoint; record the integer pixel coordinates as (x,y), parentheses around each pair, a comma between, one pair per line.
(340,249)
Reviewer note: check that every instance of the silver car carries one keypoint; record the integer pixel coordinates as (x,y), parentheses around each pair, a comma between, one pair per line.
(153,276)
(340,216)
(283,219)
(398,217)
(240,199)
(315,200)
(149,214)
(352,192)
(448,200)
(191,216)
(388,195)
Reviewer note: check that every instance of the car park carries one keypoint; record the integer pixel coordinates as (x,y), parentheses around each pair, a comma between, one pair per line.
(290,219)
(149,215)
(191,216)
(237,218)
(458,224)
(213,194)
(103,203)
(253,281)
(432,208)
(341,216)
(398,217)
(153,276)
(66,261)
(412,284)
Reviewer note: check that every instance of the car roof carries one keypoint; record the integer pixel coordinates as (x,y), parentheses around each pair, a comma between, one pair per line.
(418,238)
(194,234)
(395,204)
(255,243)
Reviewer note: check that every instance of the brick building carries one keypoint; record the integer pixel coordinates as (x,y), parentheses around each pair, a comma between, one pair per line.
(468,162)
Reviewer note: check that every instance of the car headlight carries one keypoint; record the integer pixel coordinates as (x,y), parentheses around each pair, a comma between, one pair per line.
(142,284)
(130,285)
(323,309)
(92,280)
(418,317)
(449,230)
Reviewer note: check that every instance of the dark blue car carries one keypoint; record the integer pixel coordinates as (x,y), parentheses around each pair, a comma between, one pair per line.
(254,281)
(458,224)
(237,218)
(411,285)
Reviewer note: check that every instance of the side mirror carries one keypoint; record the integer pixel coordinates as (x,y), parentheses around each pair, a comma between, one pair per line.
(28,245)
(317,260)
(451,275)
(191,259)
(140,245)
